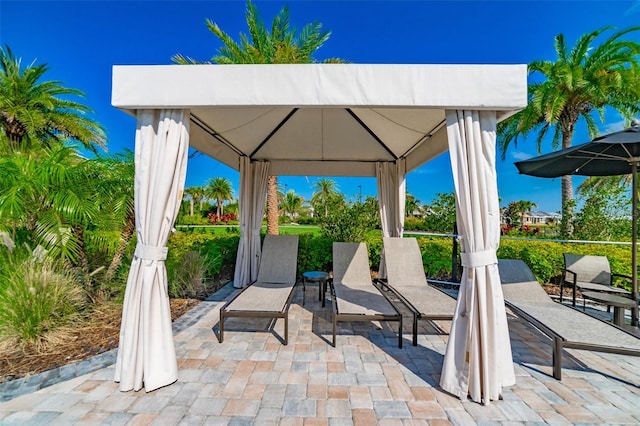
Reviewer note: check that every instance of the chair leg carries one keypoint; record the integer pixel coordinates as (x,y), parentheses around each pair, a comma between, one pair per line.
(334,330)
(557,358)
(400,333)
(221,330)
(415,330)
(286,329)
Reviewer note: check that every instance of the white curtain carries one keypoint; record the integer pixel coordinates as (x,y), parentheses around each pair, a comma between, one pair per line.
(478,361)
(391,195)
(253,192)
(146,353)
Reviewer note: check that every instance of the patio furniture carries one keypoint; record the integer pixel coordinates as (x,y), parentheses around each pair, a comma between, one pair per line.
(567,327)
(355,297)
(591,273)
(619,304)
(407,281)
(270,295)
(315,277)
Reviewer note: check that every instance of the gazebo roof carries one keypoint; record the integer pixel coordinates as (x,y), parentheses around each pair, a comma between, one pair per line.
(321,119)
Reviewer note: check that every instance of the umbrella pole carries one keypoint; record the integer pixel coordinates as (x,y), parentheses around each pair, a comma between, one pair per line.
(634,243)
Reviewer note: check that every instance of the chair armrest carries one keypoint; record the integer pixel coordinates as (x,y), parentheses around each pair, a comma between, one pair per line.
(564,276)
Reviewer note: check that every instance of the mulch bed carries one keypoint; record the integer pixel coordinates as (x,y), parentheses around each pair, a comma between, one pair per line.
(98,333)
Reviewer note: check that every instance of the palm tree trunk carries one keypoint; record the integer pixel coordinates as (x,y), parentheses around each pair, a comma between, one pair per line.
(125,237)
(83,260)
(191,207)
(566,228)
(272,205)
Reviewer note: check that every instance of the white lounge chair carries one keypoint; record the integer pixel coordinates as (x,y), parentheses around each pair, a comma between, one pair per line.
(270,295)
(355,297)
(406,279)
(567,327)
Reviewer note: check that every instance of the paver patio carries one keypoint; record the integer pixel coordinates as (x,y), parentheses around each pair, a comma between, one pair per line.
(252,378)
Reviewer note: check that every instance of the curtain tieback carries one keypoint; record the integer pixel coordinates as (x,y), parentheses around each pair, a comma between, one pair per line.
(150,252)
(475,259)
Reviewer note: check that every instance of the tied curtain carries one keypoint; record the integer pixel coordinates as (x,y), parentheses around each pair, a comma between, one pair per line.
(391,195)
(253,193)
(146,353)
(478,361)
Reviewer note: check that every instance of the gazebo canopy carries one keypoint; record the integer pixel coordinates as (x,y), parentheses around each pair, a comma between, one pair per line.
(327,120)
(320,119)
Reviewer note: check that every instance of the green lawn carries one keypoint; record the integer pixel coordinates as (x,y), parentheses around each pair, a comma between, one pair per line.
(224,229)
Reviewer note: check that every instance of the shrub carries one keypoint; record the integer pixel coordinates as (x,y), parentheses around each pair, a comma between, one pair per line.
(349,223)
(37,300)
(187,280)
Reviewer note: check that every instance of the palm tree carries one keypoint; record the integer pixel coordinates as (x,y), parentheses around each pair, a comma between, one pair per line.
(219,189)
(325,190)
(292,204)
(281,45)
(411,205)
(525,207)
(583,81)
(195,194)
(34,112)
(115,189)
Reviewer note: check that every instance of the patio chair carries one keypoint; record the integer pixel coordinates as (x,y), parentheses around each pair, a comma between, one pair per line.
(270,295)
(591,273)
(407,281)
(567,327)
(355,297)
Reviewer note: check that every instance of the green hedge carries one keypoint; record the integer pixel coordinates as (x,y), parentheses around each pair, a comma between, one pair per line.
(315,253)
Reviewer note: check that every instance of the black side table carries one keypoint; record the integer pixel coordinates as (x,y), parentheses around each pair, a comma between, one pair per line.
(315,277)
(619,304)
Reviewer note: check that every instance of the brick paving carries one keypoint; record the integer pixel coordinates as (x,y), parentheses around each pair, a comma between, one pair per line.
(252,378)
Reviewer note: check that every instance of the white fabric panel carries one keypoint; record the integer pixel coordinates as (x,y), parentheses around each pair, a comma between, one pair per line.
(146,354)
(391,199)
(478,359)
(323,168)
(431,148)
(491,87)
(253,192)
(206,144)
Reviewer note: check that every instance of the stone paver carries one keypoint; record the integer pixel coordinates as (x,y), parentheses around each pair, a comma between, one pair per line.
(253,379)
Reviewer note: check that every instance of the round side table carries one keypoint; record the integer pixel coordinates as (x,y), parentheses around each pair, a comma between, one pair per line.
(315,277)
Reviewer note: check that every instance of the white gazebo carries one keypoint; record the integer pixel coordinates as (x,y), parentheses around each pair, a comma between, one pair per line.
(319,120)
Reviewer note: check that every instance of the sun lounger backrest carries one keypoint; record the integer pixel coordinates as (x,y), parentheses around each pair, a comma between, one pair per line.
(589,269)
(403,261)
(351,264)
(519,284)
(279,260)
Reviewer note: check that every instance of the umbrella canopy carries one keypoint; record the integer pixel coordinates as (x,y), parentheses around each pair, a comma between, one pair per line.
(613,154)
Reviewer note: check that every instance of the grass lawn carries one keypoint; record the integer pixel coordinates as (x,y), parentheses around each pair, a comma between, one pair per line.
(223,229)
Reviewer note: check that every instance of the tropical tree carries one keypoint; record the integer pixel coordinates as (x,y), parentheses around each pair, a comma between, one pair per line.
(48,196)
(220,190)
(292,204)
(40,113)
(411,205)
(325,191)
(116,201)
(440,215)
(582,82)
(281,45)
(195,194)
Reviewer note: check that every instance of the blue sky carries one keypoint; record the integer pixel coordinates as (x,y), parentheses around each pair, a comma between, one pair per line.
(82,40)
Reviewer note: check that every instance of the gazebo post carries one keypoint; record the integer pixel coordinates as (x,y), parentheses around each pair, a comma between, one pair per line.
(634,242)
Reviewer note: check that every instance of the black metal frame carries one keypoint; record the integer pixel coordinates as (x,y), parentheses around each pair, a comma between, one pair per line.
(284,313)
(560,342)
(574,282)
(417,315)
(344,317)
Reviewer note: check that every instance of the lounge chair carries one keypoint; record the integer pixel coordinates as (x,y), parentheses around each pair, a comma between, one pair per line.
(567,327)
(406,279)
(270,295)
(591,273)
(355,297)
